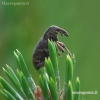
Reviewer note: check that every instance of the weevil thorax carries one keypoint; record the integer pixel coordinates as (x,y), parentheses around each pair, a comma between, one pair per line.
(50,34)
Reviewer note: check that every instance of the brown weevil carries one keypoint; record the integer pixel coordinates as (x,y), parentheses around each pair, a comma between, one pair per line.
(41,50)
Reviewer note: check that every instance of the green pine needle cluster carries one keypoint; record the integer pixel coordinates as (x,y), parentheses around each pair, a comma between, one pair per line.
(24,87)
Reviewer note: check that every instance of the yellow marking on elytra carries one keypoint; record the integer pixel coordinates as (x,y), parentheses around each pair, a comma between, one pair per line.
(40,50)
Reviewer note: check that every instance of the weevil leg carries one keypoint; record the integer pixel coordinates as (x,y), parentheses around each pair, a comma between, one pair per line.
(62,46)
(41,64)
(68,52)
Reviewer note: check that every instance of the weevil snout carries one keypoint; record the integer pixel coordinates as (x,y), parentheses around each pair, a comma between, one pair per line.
(58,29)
(52,32)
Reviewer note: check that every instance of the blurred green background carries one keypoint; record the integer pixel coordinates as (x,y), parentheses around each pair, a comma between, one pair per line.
(22,26)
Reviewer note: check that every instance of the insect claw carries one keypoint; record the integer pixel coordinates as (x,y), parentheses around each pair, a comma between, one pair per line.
(59,54)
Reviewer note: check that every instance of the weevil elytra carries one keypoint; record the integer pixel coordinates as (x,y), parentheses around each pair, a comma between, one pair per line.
(41,50)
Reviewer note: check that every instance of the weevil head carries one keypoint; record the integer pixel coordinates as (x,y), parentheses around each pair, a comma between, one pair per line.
(51,34)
